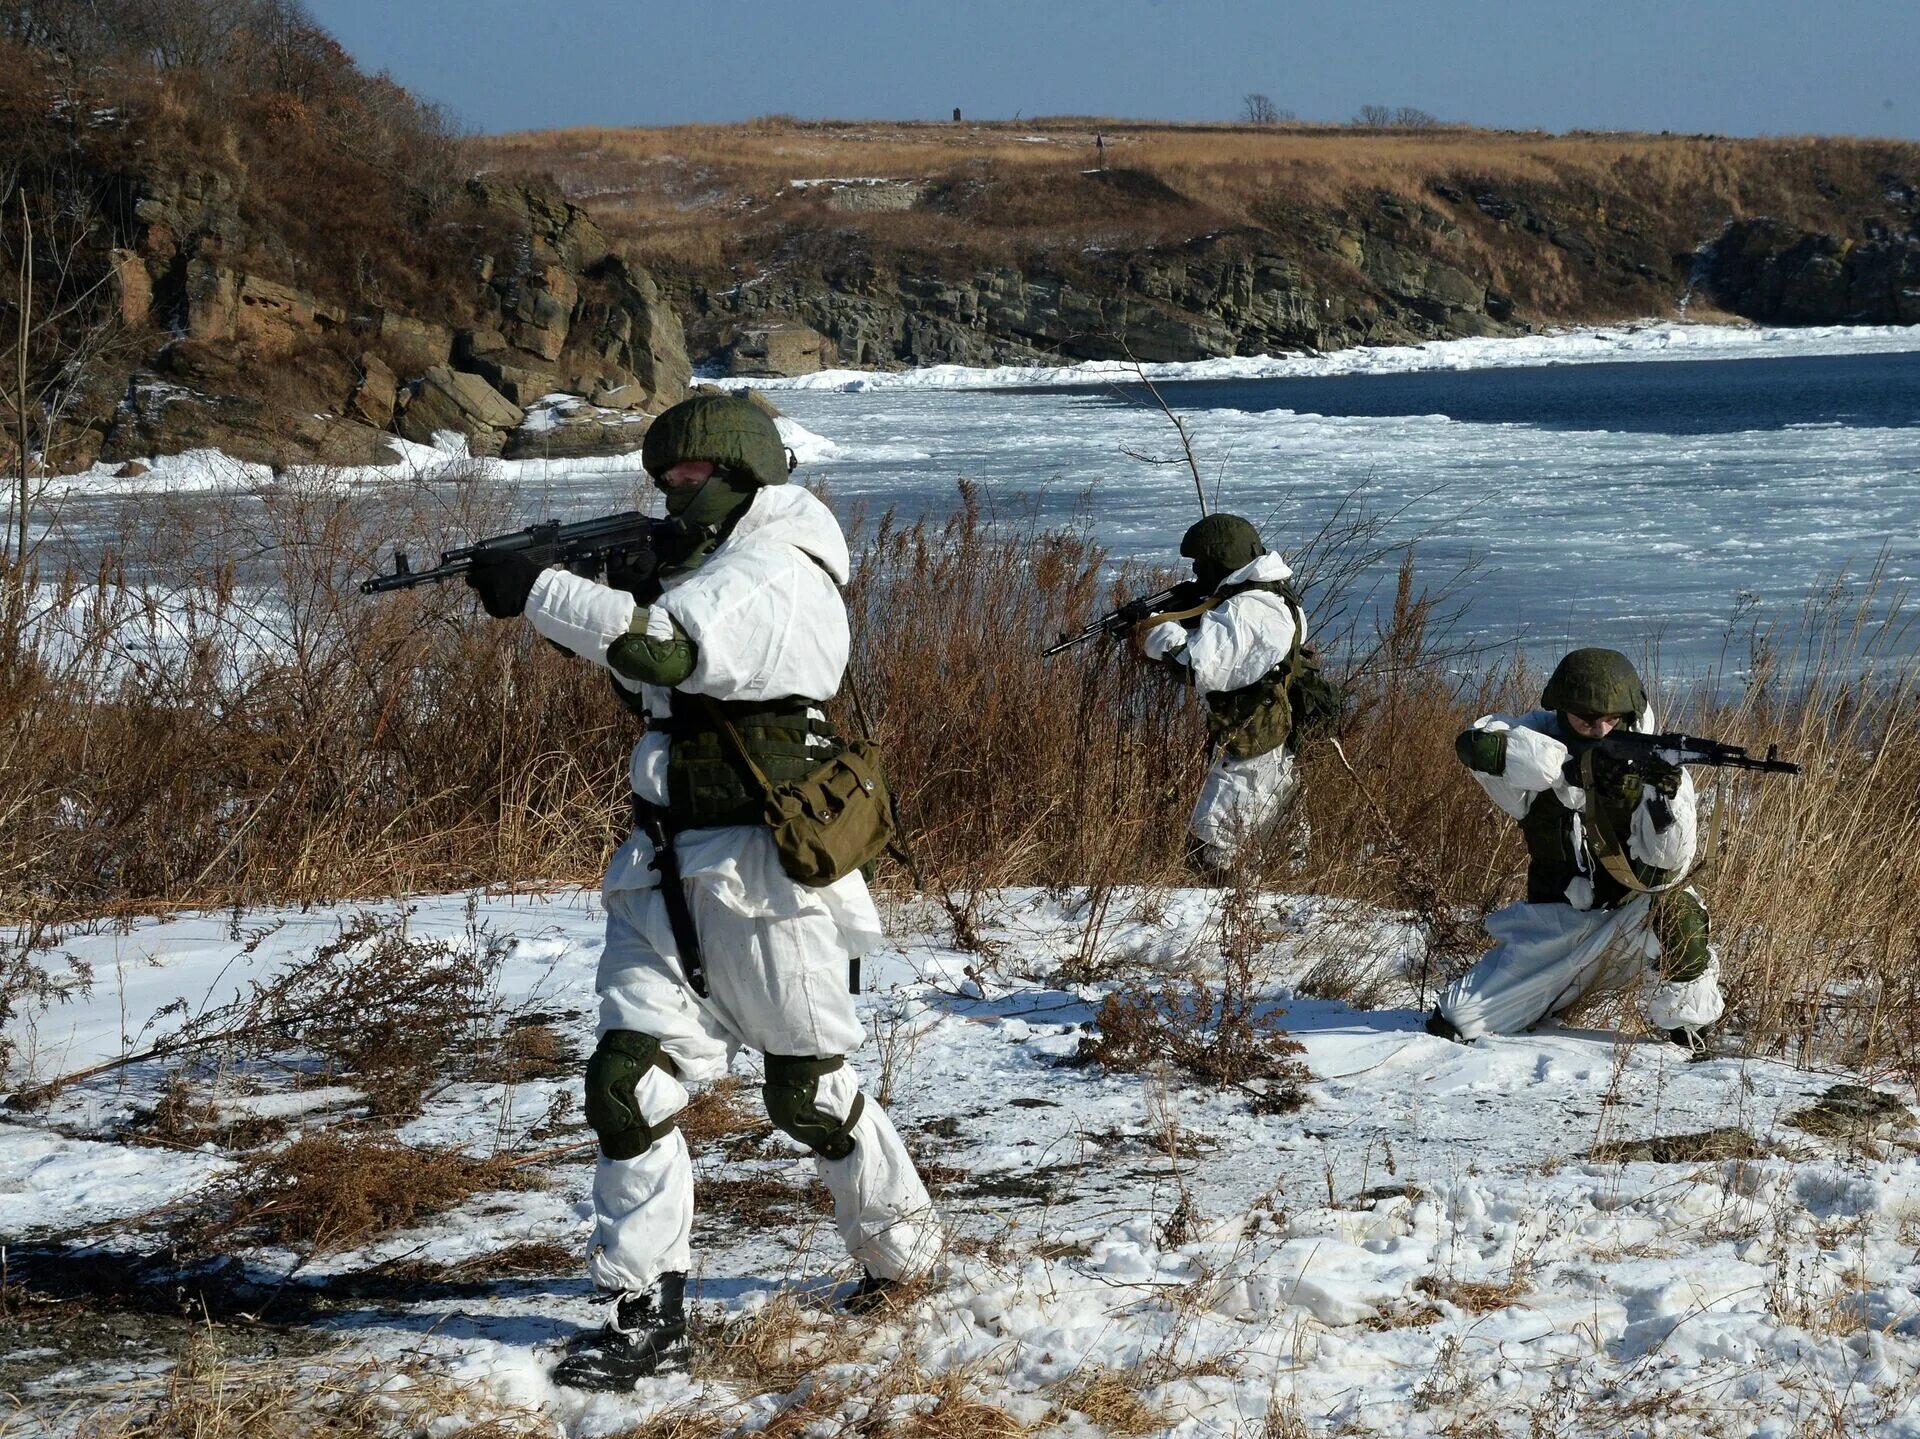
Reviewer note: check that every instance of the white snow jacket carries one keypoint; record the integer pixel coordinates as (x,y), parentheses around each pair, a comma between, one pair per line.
(767,621)
(1535,765)
(1238,641)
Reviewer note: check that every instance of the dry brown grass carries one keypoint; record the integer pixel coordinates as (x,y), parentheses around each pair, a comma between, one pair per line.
(726,1115)
(1107,1399)
(209,1394)
(1474,1296)
(217,746)
(331,1191)
(776,1346)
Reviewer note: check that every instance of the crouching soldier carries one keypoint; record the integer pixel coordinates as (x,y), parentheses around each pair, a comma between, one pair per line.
(1608,853)
(730,653)
(1238,641)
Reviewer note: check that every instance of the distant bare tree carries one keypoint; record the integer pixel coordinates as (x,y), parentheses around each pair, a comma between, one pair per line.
(1375,117)
(1408,118)
(1258,109)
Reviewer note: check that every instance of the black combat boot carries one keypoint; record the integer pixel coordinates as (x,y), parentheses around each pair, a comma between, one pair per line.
(871,1295)
(643,1336)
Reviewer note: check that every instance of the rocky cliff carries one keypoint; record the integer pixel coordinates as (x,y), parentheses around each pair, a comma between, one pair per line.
(269,372)
(1464,259)
(295,277)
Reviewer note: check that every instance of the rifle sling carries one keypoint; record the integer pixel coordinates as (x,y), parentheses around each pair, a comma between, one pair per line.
(1611,850)
(651,820)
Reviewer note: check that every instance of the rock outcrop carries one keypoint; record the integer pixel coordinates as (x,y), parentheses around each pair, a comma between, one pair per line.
(453,401)
(574,429)
(244,360)
(158,417)
(1780,275)
(778,350)
(1467,257)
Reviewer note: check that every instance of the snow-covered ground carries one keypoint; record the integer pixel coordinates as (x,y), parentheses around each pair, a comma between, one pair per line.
(1428,1246)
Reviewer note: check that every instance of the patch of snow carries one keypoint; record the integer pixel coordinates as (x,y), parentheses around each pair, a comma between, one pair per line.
(1426,1247)
(1611,344)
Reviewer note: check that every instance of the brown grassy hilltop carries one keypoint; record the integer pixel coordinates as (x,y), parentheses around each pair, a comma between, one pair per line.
(1349,235)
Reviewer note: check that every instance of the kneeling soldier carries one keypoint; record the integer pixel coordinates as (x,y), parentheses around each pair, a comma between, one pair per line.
(710,946)
(1608,853)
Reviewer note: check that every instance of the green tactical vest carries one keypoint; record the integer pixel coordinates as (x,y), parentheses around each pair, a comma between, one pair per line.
(1551,861)
(1257,719)
(706,783)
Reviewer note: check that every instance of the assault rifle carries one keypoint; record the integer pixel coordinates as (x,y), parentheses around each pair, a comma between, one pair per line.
(615,544)
(1174,597)
(1637,750)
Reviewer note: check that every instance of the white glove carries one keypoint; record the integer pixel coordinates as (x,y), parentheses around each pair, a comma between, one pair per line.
(1534,760)
(1163,639)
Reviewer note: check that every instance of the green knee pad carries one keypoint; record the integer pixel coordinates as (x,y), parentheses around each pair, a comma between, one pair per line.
(1680,924)
(792,1090)
(619,1062)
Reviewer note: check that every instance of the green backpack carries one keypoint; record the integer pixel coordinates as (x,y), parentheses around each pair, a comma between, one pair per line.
(1319,704)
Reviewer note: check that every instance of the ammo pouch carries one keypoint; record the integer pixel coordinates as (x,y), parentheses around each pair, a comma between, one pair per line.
(1292,701)
(829,822)
(706,784)
(1253,719)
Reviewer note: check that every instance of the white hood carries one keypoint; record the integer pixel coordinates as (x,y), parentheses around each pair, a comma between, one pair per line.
(764,611)
(789,515)
(1262,569)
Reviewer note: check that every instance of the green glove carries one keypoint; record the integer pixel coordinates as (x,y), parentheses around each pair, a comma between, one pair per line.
(1484,750)
(1660,777)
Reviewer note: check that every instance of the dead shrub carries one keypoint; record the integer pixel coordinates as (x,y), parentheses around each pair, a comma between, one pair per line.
(388,1011)
(722,1117)
(527,1051)
(1142,1027)
(531,1260)
(1107,1400)
(327,1192)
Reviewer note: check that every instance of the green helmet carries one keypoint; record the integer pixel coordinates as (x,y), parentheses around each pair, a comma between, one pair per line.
(739,440)
(1219,545)
(729,430)
(1594,682)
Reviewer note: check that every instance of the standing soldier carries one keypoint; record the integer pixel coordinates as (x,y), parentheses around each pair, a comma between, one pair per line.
(1608,852)
(742,639)
(1239,644)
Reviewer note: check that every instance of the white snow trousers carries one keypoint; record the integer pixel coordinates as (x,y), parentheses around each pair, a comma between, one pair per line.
(1548,957)
(779,985)
(1241,800)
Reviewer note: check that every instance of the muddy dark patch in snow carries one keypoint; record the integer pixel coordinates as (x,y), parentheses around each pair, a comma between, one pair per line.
(65,1310)
(1707,1145)
(730,1203)
(1852,1111)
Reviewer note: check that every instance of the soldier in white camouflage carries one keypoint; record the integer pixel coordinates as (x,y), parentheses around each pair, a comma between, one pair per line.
(1236,634)
(710,945)
(1609,852)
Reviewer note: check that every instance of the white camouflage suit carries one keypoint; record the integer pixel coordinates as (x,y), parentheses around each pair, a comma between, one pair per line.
(1547,957)
(1239,641)
(767,620)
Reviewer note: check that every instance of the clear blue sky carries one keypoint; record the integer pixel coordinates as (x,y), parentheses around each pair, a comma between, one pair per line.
(1739,67)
